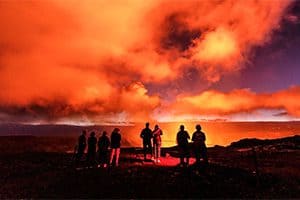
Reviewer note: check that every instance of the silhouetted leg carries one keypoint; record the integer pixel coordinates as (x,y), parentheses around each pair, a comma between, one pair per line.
(117,156)
(112,156)
(106,158)
(181,160)
(158,150)
(88,158)
(181,155)
(155,150)
(93,160)
(187,154)
(204,155)
(197,153)
(197,156)
(79,156)
(187,161)
(101,157)
(145,151)
(150,149)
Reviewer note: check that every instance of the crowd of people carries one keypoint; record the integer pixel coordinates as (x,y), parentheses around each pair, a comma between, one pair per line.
(103,144)
(151,140)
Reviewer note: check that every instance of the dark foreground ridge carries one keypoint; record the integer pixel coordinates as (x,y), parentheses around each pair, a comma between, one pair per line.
(264,170)
(44,175)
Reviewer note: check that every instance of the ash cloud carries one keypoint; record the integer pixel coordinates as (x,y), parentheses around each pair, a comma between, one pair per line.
(177,34)
(237,101)
(95,58)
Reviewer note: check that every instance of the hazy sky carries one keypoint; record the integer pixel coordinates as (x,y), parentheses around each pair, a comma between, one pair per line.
(131,60)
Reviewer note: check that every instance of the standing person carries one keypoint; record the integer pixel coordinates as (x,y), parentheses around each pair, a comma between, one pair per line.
(183,145)
(157,132)
(146,135)
(103,144)
(115,145)
(81,145)
(91,155)
(199,146)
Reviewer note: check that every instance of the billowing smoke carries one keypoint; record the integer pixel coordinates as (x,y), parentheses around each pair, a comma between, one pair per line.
(91,59)
(237,101)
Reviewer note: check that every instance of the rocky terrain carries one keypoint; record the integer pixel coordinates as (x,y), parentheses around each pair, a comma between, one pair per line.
(245,169)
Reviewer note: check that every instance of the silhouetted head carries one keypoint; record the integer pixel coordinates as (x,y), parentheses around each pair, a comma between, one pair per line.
(181,127)
(147,125)
(116,130)
(104,133)
(84,132)
(93,134)
(198,127)
(156,126)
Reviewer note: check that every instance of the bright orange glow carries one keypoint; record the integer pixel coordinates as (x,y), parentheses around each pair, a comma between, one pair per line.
(217,133)
(95,59)
(217,45)
(237,101)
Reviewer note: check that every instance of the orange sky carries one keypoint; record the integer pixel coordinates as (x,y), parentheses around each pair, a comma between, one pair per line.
(92,61)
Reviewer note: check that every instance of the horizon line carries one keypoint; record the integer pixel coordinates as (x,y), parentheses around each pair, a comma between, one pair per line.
(134,123)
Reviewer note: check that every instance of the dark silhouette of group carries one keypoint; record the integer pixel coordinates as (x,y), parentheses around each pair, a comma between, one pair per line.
(147,135)
(198,146)
(103,144)
(151,145)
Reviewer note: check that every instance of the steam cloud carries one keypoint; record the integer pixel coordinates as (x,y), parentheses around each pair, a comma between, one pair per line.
(237,101)
(93,59)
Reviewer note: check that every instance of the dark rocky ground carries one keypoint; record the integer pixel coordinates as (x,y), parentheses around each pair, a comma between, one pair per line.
(232,173)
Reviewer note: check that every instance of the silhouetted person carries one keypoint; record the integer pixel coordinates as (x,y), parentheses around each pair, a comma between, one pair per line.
(103,144)
(146,135)
(81,145)
(183,145)
(91,154)
(157,132)
(115,145)
(199,146)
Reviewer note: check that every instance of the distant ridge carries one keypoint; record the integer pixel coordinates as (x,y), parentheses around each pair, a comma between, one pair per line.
(251,142)
(11,129)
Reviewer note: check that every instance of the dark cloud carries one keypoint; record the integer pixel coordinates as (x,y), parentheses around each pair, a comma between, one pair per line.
(177,34)
(280,114)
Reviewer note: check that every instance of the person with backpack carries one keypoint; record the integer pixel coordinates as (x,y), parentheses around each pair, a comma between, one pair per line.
(183,146)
